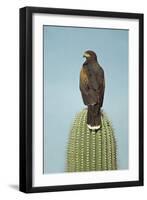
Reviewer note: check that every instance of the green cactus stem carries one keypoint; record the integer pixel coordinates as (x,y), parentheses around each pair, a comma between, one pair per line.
(90,150)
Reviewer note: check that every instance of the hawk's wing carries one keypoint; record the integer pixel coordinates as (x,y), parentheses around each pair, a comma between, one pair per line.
(84,85)
(92,85)
(101,85)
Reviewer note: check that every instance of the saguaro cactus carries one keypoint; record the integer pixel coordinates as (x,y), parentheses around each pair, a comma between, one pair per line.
(91,150)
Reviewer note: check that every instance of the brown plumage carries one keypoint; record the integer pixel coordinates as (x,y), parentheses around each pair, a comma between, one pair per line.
(92,86)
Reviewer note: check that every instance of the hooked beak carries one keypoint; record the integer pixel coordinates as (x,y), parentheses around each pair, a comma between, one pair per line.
(86,55)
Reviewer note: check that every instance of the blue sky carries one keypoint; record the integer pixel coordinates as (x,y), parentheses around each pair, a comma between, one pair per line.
(63,58)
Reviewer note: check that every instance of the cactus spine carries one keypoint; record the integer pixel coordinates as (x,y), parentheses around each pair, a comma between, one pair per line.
(89,150)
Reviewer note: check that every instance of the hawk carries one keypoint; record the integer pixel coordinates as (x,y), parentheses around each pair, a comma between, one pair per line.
(92,87)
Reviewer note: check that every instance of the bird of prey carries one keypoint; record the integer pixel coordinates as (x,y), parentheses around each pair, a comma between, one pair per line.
(92,87)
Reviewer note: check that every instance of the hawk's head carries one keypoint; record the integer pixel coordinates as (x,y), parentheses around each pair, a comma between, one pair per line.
(90,55)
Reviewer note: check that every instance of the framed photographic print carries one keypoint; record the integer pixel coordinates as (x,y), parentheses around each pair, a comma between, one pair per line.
(81,99)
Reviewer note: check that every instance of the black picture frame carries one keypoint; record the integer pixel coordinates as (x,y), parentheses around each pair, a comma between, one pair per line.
(26,169)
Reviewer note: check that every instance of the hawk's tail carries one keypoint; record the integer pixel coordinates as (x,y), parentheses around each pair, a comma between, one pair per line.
(94,117)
